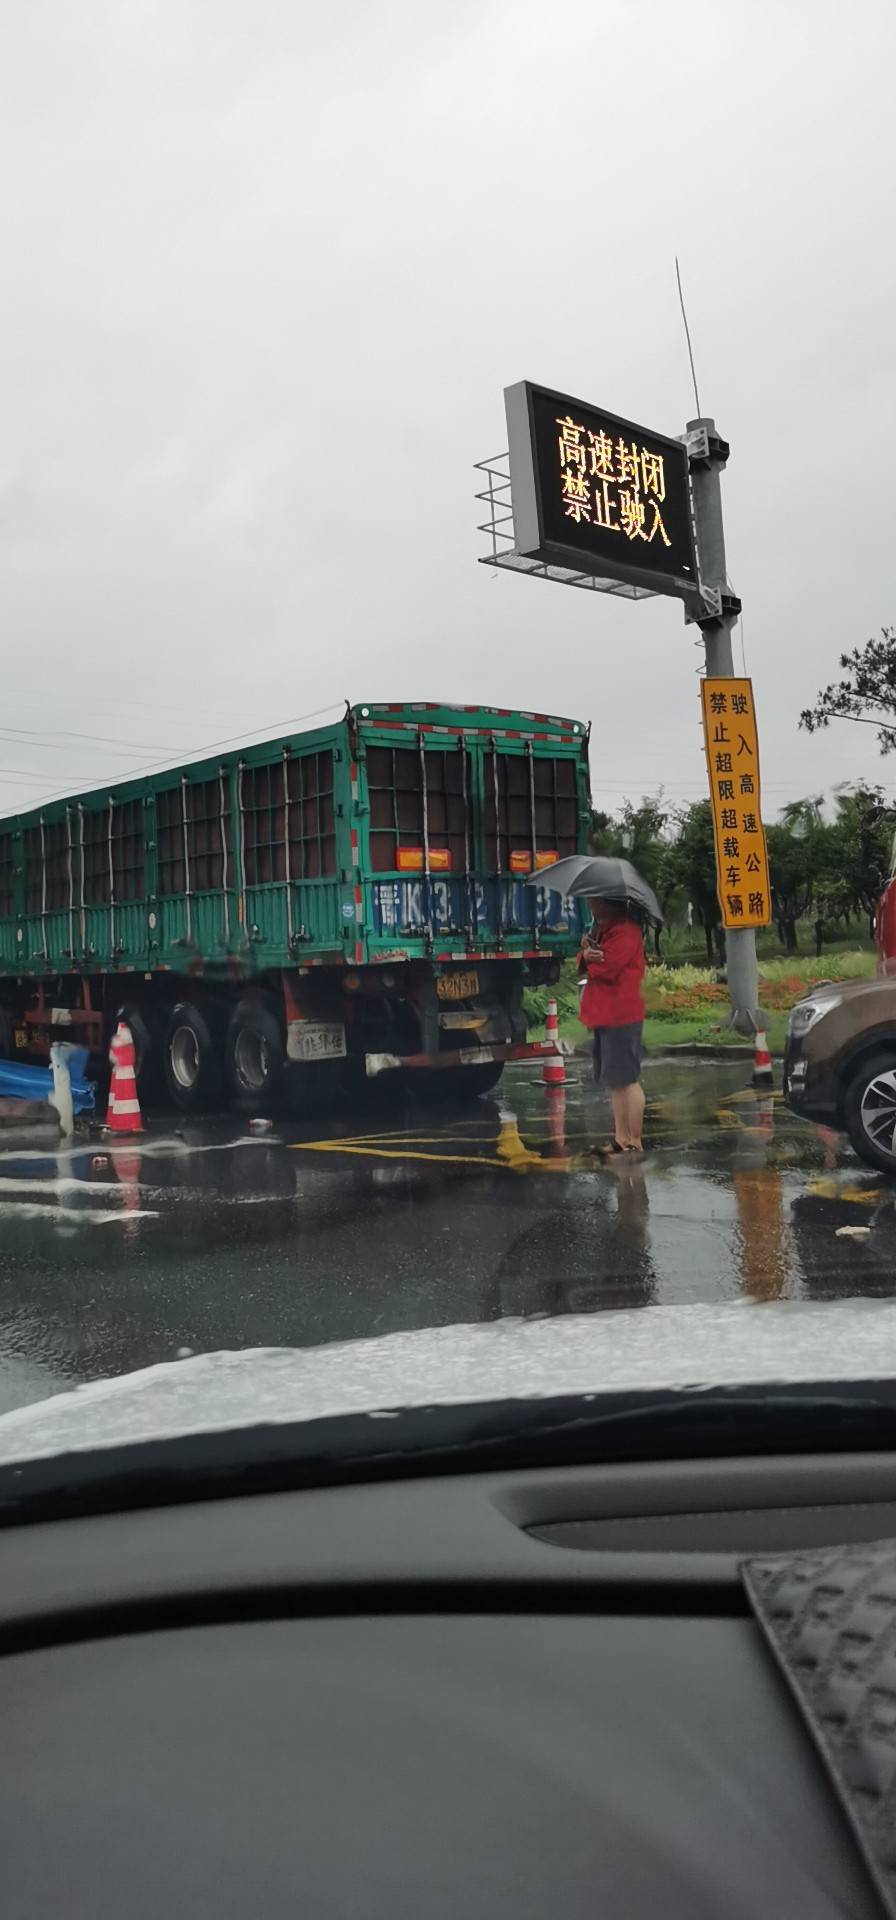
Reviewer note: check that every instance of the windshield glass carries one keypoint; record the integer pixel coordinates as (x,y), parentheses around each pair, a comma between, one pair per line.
(397,946)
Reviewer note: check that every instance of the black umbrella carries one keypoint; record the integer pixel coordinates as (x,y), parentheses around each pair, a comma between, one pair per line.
(600,877)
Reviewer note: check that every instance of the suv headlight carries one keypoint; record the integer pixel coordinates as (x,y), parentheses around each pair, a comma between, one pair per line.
(806,1012)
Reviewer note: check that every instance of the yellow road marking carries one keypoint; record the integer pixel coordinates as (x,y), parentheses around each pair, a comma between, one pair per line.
(514,1165)
(410,1143)
(832,1190)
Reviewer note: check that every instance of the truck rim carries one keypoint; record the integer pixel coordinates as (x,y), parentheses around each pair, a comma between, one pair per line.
(183,1051)
(878,1110)
(250,1058)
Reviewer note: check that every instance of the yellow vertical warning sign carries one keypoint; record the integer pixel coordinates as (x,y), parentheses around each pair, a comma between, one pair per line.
(732,758)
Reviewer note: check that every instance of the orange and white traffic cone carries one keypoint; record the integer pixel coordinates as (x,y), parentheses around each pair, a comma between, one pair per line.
(554,1069)
(762,1062)
(123,1112)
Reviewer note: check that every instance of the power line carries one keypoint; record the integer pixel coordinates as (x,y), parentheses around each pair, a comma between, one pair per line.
(29,779)
(234,739)
(47,736)
(155,706)
(65,746)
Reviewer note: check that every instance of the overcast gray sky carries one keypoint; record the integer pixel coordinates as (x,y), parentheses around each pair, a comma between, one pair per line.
(267,268)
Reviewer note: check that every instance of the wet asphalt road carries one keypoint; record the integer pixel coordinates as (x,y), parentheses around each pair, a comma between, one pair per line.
(200,1237)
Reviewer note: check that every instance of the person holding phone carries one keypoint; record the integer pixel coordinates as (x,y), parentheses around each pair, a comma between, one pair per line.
(611,963)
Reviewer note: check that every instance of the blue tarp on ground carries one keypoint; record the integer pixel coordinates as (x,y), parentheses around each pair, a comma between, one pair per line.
(18,1082)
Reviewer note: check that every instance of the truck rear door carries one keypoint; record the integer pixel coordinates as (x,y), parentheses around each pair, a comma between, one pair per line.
(422,837)
(457,822)
(532,818)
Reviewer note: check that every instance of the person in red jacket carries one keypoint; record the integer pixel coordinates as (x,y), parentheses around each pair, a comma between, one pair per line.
(612,966)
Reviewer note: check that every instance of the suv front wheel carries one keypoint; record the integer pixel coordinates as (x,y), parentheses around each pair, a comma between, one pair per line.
(870,1111)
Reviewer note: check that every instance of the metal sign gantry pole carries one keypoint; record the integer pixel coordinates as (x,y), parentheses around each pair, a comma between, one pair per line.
(707,456)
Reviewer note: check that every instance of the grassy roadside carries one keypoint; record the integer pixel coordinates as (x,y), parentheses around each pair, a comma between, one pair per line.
(662,1032)
(686,1005)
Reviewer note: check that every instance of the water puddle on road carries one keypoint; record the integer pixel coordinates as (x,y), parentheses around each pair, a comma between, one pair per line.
(387,1218)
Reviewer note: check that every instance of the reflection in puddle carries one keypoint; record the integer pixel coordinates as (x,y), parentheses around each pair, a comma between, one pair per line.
(764,1239)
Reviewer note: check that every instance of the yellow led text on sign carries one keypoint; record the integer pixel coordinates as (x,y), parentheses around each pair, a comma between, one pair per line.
(732,757)
(615,484)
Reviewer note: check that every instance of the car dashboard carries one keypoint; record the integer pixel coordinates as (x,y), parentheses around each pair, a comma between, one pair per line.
(497,1693)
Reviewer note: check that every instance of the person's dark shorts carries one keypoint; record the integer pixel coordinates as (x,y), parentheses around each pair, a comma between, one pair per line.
(617,1055)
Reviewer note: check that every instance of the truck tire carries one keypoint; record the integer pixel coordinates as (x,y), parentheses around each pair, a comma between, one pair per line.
(254,1057)
(192,1066)
(6,1026)
(870,1110)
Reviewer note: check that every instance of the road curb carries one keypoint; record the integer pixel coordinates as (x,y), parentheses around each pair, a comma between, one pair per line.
(698,1050)
(684,1050)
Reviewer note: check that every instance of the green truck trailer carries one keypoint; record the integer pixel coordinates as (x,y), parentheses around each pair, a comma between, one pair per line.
(351,900)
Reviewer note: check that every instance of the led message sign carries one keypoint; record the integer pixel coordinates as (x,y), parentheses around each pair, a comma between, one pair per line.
(598,493)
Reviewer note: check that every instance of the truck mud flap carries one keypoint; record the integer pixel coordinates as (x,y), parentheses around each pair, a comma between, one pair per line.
(462,1057)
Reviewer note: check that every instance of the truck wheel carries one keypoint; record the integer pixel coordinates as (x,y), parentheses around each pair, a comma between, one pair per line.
(146,1033)
(254,1056)
(870,1111)
(192,1068)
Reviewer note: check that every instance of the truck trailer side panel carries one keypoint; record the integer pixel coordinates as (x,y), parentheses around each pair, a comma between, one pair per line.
(368,878)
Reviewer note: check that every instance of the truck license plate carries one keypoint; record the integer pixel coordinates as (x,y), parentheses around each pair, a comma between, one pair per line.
(457,986)
(320,1040)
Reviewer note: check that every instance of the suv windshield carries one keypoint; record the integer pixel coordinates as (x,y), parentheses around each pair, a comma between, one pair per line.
(421,981)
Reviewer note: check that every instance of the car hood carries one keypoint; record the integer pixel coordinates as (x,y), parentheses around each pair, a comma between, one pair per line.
(737,1343)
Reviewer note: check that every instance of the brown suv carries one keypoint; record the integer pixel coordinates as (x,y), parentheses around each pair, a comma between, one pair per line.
(840,1064)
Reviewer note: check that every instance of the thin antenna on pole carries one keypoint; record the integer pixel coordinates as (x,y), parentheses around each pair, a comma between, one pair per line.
(687,335)
(743,650)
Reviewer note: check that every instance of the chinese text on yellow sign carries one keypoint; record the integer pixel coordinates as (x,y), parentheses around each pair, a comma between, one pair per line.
(732,756)
(612,483)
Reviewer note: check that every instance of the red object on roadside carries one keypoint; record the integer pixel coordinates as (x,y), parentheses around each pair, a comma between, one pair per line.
(123,1112)
(885,929)
(762,1062)
(554,1069)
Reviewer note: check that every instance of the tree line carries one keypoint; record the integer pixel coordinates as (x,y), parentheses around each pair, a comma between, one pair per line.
(829,872)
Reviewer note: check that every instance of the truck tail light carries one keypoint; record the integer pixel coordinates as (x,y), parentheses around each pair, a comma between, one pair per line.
(410,859)
(522,862)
